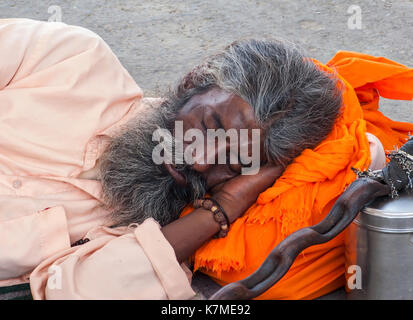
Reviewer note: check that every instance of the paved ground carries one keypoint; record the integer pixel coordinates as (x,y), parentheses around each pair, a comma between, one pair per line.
(157,41)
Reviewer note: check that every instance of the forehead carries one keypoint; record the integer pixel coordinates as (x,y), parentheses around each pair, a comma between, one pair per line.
(232,109)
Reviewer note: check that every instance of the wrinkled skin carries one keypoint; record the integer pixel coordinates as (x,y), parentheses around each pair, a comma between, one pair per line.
(216,109)
(220,109)
(346,208)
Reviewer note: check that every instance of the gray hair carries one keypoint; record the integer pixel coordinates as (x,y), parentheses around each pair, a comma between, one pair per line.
(134,187)
(294,101)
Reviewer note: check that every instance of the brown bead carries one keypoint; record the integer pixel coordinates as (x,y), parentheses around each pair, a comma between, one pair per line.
(218,215)
(197,203)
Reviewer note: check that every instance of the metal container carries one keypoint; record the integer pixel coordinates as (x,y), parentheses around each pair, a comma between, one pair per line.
(379,246)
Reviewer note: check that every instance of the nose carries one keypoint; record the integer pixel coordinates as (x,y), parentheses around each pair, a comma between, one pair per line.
(201,167)
(207,155)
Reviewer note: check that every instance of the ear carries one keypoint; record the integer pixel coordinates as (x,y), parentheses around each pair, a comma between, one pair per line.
(178,176)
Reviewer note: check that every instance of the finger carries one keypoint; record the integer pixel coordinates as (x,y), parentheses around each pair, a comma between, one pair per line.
(264,178)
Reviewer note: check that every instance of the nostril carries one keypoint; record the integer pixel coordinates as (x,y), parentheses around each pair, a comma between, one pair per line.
(201,167)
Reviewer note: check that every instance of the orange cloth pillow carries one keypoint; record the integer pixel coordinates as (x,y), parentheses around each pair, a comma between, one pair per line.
(308,188)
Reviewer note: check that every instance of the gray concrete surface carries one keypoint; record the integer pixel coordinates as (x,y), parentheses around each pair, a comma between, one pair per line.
(158,41)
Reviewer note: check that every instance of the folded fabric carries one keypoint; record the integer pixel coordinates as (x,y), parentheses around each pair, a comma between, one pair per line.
(308,188)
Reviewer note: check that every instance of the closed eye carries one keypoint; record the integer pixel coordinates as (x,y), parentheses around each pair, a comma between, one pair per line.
(217,120)
(203,124)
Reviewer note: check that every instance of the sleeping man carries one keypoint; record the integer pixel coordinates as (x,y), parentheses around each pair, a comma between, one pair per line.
(87,210)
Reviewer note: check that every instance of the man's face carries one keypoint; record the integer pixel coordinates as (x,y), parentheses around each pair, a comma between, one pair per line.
(136,188)
(217,109)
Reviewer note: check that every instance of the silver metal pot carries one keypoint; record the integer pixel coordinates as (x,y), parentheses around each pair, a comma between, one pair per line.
(379,247)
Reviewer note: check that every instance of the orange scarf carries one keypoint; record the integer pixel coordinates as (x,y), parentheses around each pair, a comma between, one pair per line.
(308,188)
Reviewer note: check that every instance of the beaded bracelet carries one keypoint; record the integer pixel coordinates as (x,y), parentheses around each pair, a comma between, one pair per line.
(79,242)
(219,214)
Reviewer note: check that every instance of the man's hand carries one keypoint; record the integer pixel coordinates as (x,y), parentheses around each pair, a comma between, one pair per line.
(188,233)
(239,193)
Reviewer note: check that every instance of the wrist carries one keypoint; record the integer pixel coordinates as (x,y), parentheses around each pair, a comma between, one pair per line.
(228,206)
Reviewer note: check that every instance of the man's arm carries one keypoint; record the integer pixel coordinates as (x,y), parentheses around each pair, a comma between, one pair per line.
(28,240)
(129,263)
(13,49)
(145,262)
(61,89)
(189,233)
